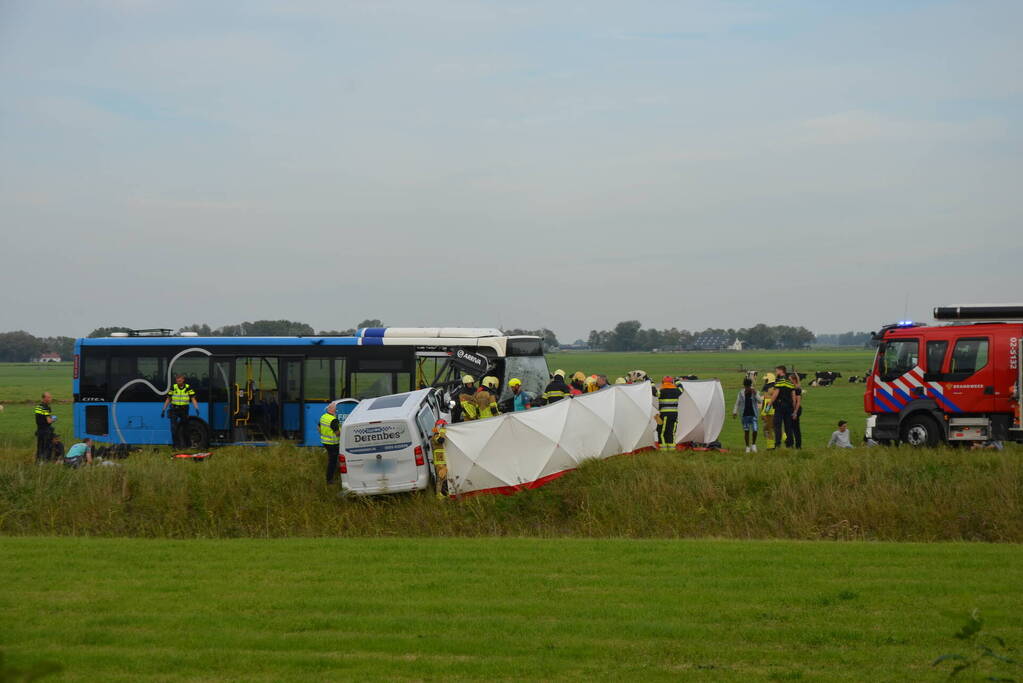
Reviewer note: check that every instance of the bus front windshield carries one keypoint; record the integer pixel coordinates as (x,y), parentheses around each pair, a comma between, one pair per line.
(532,370)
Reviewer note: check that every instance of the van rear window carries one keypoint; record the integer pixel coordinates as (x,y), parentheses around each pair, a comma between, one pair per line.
(395,401)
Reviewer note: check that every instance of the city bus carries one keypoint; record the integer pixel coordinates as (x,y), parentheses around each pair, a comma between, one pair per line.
(261,390)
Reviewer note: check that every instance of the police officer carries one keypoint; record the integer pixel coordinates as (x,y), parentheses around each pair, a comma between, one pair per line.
(667,406)
(178,398)
(44,428)
(330,437)
(557,389)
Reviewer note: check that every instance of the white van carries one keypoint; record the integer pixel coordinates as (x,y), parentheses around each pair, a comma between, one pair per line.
(385,443)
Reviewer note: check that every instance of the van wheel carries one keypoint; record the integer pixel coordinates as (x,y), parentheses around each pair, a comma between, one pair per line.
(920,431)
(197,434)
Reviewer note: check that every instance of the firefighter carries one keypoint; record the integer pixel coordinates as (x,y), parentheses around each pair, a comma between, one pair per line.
(440,462)
(330,437)
(557,389)
(44,428)
(178,398)
(468,386)
(667,407)
(486,398)
(577,386)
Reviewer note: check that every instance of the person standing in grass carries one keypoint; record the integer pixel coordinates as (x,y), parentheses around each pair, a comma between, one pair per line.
(840,437)
(797,411)
(783,402)
(767,410)
(44,428)
(749,402)
(557,389)
(330,437)
(667,407)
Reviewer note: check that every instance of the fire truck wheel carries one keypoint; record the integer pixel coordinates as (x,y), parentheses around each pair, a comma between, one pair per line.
(920,431)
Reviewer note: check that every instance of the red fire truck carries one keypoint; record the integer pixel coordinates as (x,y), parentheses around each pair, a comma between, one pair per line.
(959,382)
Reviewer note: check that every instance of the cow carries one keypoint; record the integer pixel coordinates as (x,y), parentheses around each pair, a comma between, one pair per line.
(826,378)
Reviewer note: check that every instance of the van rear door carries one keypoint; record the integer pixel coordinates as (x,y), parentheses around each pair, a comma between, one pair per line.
(380,455)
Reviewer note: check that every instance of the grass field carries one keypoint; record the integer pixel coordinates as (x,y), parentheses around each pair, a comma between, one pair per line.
(500,608)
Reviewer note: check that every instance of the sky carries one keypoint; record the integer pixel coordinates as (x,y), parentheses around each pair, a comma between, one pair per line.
(690,164)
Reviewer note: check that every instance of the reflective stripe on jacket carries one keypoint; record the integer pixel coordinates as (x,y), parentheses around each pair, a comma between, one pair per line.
(180,395)
(328,436)
(667,399)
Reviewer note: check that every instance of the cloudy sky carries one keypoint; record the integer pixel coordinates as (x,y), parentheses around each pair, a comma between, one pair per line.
(559,164)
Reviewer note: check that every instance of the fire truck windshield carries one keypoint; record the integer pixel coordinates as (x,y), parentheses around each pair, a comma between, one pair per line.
(897,357)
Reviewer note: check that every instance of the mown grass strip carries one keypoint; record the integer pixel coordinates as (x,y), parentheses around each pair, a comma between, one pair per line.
(119,609)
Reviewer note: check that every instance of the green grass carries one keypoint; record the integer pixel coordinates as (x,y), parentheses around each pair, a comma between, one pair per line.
(499,608)
(863,494)
(25,382)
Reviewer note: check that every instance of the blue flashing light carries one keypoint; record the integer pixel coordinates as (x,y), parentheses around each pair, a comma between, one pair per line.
(905,323)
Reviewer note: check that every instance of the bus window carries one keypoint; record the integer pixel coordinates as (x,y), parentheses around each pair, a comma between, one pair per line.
(317,380)
(370,384)
(93,382)
(125,369)
(340,390)
(196,369)
(899,356)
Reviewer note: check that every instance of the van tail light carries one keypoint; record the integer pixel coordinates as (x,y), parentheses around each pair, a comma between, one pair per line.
(342,464)
(419,456)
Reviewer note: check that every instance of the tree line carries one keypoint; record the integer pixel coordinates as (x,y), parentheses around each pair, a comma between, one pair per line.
(629,335)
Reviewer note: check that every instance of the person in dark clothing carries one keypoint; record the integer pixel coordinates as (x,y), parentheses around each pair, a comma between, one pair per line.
(797,411)
(178,398)
(44,429)
(667,407)
(783,402)
(557,389)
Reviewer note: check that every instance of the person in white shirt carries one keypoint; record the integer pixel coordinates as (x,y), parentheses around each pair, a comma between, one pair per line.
(840,437)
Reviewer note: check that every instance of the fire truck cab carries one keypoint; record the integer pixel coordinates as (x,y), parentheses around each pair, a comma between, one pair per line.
(957,382)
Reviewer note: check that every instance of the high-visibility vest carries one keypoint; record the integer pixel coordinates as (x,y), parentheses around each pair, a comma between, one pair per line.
(469,409)
(491,409)
(179,395)
(667,399)
(328,436)
(439,453)
(43,409)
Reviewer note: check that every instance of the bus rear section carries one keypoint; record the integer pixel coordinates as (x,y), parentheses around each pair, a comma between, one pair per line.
(385,444)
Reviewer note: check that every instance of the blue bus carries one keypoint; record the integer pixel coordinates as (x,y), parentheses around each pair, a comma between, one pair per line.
(259,390)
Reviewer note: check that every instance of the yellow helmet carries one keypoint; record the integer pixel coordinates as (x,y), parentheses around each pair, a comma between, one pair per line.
(468,379)
(490,382)
(620,380)
(514,382)
(560,373)
(579,377)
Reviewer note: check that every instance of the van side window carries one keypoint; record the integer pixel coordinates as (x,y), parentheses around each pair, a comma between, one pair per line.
(426,421)
(935,355)
(968,356)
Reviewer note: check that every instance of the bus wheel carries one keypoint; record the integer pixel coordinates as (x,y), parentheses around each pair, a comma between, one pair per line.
(920,431)
(197,434)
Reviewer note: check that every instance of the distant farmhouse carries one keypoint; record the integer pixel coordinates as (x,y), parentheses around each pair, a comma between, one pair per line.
(48,358)
(715,342)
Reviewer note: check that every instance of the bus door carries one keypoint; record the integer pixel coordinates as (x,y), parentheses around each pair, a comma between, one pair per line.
(221,404)
(291,397)
(257,414)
